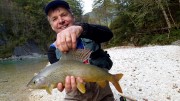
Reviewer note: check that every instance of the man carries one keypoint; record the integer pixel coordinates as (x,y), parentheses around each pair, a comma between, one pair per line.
(71,35)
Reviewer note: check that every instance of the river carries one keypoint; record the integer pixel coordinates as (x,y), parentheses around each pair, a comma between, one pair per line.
(14,76)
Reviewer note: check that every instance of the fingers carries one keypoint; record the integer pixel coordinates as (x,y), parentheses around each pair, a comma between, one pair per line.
(67,39)
(65,42)
(60,87)
(73,83)
(61,42)
(80,80)
(68,42)
(70,84)
(74,43)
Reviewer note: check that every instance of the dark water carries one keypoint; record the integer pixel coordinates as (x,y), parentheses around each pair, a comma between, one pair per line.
(14,76)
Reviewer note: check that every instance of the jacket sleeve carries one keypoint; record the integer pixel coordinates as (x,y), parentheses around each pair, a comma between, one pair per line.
(52,55)
(96,33)
(101,59)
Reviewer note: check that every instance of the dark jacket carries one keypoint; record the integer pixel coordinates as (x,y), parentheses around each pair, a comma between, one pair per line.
(91,38)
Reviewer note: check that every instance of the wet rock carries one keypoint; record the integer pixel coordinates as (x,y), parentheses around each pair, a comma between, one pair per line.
(29,48)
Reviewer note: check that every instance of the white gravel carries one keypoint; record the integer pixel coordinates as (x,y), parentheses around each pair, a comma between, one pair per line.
(150,74)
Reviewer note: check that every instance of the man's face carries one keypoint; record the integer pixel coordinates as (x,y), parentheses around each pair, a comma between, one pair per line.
(60,18)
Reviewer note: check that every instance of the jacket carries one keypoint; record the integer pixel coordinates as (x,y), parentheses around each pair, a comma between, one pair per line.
(91,38)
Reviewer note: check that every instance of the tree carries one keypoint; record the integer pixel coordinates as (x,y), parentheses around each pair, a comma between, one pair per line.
(143,17)
(25,20)
(76,7)
(103,12)
(159,3)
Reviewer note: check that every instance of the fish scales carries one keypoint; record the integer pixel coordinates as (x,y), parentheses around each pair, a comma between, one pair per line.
(87,72)
(71,65)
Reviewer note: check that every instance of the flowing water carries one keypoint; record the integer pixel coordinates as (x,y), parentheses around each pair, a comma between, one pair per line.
(14,76)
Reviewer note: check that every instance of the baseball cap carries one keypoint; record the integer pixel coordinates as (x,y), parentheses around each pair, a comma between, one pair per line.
(56,3)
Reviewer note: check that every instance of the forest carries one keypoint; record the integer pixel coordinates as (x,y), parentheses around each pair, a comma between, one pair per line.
(136,22)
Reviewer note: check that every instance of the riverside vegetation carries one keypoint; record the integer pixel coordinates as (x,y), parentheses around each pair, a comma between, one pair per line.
(137,22)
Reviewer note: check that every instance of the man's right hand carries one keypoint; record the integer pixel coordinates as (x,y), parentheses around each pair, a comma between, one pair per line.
(70,84)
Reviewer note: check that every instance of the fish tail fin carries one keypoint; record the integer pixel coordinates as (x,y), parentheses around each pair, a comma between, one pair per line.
(114,81)
(118,76)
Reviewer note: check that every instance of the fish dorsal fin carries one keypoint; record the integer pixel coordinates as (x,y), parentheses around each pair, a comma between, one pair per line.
(78,54)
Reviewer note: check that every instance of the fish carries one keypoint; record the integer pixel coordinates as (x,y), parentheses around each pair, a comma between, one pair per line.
(71,64)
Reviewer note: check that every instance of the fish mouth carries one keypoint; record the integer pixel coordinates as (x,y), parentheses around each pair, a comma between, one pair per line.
(29,85)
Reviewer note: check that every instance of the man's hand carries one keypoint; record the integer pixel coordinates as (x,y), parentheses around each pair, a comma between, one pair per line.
(67,38)
(70,84)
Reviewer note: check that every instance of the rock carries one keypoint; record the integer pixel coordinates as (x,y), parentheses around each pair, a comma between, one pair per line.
(29,48)
(176,43)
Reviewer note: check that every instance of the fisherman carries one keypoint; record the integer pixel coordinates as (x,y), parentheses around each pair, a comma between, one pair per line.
(73,35)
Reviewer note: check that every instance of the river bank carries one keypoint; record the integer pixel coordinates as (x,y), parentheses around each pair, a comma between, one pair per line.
(14,76)
(151,73)
(32,56)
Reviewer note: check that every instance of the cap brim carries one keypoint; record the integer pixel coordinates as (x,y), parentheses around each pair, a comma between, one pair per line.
(56,3)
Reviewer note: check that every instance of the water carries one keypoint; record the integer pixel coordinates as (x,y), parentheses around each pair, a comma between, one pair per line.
(14,76)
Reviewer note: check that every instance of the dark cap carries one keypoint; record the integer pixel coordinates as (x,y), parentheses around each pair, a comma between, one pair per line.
(56,3)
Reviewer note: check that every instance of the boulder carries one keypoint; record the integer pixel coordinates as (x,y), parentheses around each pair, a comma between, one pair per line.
(176,43)
(29,48)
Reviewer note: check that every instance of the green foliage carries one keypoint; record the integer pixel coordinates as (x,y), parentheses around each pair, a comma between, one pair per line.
(139,22)
(76,8)
(24,20)
(102,12)
(144,22)
(123,29)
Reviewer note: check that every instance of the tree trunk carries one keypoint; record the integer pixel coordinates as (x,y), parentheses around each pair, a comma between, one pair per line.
(170,14)
(165,15)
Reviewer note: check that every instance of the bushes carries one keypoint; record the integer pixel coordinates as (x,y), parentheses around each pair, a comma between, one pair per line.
(146,39)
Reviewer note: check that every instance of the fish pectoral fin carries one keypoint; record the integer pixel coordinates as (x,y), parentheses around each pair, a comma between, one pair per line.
(81,87)
(49,88)
(102,84)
